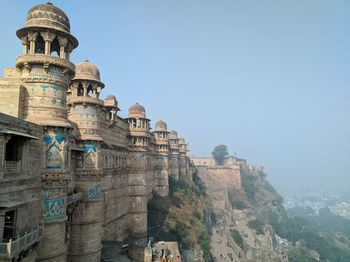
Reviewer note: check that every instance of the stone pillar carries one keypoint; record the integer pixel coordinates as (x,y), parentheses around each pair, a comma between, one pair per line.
(24,41)
(85,87)
(53,246)
(137,211)
(68,51)
(63,43)
(182,166)
(86,226)
(162,175)
(174,166)
(32,38)
(2,222)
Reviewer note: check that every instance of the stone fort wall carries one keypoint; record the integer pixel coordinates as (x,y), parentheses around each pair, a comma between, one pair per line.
(73,172)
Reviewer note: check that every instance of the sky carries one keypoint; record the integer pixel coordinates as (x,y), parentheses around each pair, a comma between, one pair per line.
(269,79)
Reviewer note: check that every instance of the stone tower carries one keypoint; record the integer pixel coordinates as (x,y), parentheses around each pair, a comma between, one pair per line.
(174,155)
(84,104)
(182,157)
(45,73)
(162,156)
(138,144)
(45,69)
(87,111)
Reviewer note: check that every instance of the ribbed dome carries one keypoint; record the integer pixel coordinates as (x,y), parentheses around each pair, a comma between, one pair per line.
(173,135)
(87,71)
(182,141)
(48,15)
(137,110)
(110,101)
(161,126)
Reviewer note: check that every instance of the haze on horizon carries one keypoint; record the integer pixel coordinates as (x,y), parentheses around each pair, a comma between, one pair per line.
(270,79)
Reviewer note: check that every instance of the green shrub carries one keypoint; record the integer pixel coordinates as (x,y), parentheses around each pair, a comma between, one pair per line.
(257,225)
(199,183)
(249,187)
(235,199)
(204,241)
(159,204)
(236,236)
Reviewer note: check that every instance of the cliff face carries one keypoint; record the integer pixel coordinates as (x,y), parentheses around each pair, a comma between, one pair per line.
(182,216)
(233,213)
(243,200)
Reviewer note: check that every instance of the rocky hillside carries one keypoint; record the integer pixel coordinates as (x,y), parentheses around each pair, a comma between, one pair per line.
(218,221)
(286,238)
(184,216)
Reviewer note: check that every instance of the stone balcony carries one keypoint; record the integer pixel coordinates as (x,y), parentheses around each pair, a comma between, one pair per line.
(71,199)
(10,250)
(85,100)
(44,59)
(12,167)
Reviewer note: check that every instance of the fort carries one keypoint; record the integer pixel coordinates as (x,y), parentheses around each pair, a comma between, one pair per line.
(73,173)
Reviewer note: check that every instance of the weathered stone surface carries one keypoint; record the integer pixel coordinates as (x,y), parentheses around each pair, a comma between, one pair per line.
(81,171)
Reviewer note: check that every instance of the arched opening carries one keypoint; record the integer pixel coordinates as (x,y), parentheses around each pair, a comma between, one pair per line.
(90,90)
(55,48)
(80,91)
(109,114)
(40,45)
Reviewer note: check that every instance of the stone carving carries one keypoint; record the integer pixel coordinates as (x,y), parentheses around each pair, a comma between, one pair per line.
(54,157)
(93,193)
(90,156)
(54,205)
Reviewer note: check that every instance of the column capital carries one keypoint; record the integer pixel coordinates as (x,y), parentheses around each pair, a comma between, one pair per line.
(24,40)
(32,36)
(48,36)
(63,41)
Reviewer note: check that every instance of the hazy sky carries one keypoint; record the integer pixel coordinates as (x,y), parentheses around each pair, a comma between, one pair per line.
(270,79)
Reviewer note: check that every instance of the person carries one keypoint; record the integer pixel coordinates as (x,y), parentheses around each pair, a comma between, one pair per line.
(163,259)
(178,259)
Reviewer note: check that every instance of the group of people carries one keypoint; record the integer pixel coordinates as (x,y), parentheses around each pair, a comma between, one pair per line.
(229,256)
(170,258)
(165,255)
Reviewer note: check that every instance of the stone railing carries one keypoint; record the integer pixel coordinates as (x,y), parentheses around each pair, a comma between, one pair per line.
(12,166)
(16,246)
(44,59)
(85,99)
(74,198)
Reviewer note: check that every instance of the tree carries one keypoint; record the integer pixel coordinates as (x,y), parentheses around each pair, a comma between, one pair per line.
(220,153)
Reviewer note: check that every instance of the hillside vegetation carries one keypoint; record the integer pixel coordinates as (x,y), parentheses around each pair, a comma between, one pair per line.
(309,237)
(184,216)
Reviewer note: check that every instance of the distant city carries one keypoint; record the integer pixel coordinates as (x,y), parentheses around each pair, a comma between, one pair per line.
(315,202)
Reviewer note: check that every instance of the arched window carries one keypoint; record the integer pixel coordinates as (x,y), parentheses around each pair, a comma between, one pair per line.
(40,45)
(80,90)
(90,90)
(55,48)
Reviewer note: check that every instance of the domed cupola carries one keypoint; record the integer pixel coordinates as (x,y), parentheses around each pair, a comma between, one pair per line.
(138,127)
(174,143)
(48,15)
(88,71)
(182,147)
(87,82)
(161,138)
(86,108)
(136,110)
(111,105)
(44,66)
(47,29)
(161,126)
